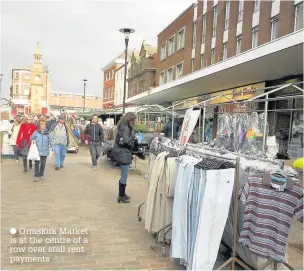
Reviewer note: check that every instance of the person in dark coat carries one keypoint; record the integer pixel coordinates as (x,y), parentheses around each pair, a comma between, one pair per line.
(23,142)
(122,151)
(96,138)
(168,129)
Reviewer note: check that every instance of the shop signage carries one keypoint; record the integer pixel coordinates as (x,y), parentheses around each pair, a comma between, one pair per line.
(238,94)
(186,103)
(190,120)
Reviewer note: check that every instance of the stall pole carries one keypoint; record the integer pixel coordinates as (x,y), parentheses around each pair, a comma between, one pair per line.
(146,119)
(265,122)
(172,121)
(204,120)
(199,126)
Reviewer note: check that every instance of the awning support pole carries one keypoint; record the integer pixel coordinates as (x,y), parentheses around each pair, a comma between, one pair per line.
(265,123)
(204,120)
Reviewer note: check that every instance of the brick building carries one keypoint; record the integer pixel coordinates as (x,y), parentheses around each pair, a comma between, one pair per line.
(141,76)
(108,91)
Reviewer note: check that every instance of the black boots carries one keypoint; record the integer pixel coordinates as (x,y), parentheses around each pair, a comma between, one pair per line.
(122,197)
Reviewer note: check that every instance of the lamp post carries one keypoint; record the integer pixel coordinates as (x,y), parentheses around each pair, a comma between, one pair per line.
(127,32)
(1,75)
(84,86)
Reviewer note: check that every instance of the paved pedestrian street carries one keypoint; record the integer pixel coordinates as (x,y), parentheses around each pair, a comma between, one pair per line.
(82,203)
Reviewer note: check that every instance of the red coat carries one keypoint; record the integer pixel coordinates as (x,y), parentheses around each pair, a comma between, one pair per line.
(25,132)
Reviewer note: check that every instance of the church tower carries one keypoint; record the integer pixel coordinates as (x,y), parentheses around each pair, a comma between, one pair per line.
(37,82)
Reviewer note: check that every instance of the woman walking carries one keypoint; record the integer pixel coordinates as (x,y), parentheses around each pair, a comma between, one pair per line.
(42,139)
(23,142)
(122,151)
(13,133)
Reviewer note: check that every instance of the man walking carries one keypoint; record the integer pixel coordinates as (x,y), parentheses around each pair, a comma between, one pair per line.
(60,141)
(96,137)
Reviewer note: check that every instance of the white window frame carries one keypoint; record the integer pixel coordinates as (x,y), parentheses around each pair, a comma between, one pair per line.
(225,50)
(204,25)
(275,19)
(241,11)
(194,34)
(179,46)
(255,33)
(163,55)
(161,82)
(202,61)
(172,69)
(177,76)
(227,14)
(298,7)
(238,44)
(214,21)
(169,46)
(192,65)
(257,5)
(212,61)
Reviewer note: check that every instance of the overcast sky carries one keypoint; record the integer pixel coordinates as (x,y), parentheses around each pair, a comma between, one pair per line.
(78,37)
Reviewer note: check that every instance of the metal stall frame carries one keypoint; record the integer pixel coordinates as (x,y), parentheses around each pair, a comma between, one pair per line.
(273,89)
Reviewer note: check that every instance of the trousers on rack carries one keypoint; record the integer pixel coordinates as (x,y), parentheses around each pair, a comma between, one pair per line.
(213,217)
(179,247)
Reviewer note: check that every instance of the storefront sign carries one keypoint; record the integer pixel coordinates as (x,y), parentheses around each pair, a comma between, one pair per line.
(186,103)
(190,120)
(238,94)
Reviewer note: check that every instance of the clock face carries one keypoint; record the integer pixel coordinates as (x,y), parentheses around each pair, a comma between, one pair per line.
(37,78)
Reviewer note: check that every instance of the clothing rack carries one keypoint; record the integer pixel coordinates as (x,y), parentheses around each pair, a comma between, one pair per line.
(234,259)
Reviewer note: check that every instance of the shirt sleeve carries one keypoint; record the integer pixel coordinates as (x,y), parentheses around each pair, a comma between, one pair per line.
(299,210)
(244,193)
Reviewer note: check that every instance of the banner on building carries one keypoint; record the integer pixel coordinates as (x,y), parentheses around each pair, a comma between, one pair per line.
(190,120)
(238,94)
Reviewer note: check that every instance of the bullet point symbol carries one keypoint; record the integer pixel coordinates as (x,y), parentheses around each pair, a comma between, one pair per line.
(13,230)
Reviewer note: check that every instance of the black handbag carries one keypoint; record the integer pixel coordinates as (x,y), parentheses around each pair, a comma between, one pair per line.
(121,155)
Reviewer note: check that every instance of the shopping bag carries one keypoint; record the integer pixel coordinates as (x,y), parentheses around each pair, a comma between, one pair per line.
(33,153)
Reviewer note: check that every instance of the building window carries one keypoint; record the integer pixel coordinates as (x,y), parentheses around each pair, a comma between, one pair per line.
(181,39)
(204,29)
(163,51)
(227,14)
(214,21)
(172,46)
(225,51)
(241,9)
(192,65)
(162,78)
(16,89)
(170,75)
(26,90)
(17,75)
(238,44)
(26,76)
(299,16)
(255,37)
(194,34)
(275,28)
(212,56)
(256,5)
(179,70)
(202,61)
(141,85)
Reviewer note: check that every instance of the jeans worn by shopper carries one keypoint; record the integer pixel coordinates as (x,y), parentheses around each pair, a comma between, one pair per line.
(16,152)
(124,173)
(40,166)
(60,152)
(95,150)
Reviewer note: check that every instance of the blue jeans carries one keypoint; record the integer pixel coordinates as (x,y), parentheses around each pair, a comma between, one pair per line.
(60,152)
(124,173)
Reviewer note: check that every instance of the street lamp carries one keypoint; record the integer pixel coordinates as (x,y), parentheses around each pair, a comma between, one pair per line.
(84,86)
(1,75)
(127,32)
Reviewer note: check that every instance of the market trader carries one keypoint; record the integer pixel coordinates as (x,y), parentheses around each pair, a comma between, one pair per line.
(168,129)
(96,137)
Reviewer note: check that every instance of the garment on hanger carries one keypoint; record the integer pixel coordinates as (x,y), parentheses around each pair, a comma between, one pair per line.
(268,216)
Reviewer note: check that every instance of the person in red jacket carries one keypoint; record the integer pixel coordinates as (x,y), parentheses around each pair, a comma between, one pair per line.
(23,141)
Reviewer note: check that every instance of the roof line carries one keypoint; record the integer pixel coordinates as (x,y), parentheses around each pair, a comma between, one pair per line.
(192,5)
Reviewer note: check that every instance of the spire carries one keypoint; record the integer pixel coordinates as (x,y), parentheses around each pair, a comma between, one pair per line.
(38,51)
(38,58)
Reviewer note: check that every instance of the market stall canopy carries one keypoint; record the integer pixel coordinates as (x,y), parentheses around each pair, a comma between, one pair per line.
(154,109)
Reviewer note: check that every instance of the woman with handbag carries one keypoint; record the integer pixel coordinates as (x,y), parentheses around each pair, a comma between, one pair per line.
(13,133)
(23,142)
(122,151)
(42,139)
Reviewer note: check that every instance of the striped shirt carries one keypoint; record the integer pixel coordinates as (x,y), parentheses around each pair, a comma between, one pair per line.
(268,216)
